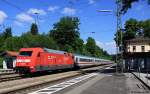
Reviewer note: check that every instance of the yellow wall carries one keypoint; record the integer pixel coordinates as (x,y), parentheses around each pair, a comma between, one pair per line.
(138,47)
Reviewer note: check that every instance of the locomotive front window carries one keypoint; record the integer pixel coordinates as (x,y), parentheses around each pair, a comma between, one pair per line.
(25,53)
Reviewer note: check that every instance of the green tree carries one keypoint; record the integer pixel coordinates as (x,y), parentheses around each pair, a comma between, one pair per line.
(68,48)
(78,46)
(146,28)
(7,33)
(91,46)
(84,51)
(2,40)
(126,4)
(66,32)
(131,29)
(118,37)
(64,36)
(99,52)
(34,29)
(4,36)
(13,43)
(38,41)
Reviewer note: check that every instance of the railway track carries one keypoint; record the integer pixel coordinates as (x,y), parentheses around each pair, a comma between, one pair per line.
(6,71)
(38,81)
(8,74)
(13,76)
(9,77)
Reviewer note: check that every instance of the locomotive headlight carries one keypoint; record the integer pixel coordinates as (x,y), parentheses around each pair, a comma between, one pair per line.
(23,60)
(32,67)
(27,60)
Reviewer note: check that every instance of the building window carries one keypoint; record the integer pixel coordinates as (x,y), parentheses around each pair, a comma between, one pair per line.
(134,48)
(128,49)
(142,48)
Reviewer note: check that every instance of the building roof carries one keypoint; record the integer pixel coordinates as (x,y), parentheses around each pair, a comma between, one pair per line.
(54,51)
(9,53)
(139,39)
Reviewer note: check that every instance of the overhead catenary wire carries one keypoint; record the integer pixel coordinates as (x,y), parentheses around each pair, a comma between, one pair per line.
(21,10)
(73,3)
(13,5)
(83,5)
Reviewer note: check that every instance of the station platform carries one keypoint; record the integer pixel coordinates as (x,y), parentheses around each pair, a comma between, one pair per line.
(103,82)
(144,77)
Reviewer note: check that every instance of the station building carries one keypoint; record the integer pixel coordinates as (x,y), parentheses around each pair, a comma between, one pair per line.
(137,54)
(9,59)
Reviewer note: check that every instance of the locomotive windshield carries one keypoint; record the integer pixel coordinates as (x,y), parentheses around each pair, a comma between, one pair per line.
(25,53)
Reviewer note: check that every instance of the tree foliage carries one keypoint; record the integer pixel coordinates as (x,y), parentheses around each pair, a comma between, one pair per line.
(132,29)
(91,46)
(66,33)
(118,37)
(93,49)
(64,36)
(34,29)
(126,4)
(7,33)
(146,28)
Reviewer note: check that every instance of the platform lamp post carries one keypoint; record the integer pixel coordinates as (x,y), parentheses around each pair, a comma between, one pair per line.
(116,58)
(119,28)
(36,18)
(118,14)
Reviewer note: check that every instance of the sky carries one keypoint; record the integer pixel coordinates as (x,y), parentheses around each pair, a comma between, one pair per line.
(19,14)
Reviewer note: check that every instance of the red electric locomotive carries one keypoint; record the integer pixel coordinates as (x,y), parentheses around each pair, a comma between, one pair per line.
(32,60)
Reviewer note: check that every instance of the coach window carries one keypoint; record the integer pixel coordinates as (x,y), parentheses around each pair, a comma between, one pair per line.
(81,59)
(76,60)
(142,48)
(85,60)
(134,48)
(97,60)
(128,49)
(90,60)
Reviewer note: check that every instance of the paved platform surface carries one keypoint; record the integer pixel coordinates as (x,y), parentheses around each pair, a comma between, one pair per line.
(106,82)
(144,77)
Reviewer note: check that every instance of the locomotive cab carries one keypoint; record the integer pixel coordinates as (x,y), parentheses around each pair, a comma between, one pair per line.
(26,60)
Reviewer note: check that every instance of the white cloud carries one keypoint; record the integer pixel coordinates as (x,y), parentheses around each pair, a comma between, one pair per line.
(69,11)
(18,23)
(3,16)
(34,10)
(53,8)
(110,47)
(23,17)
(91,1)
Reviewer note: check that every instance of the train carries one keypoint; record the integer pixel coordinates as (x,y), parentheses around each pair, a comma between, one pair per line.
(31,60)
